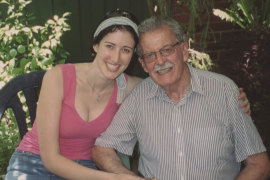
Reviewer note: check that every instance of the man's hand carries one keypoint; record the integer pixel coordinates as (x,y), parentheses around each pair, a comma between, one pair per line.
(245,102)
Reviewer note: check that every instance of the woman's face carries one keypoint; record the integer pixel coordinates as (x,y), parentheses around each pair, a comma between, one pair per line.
(114,53)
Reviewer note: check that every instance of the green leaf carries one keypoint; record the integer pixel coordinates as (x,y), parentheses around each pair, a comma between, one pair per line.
(21,49)
(62,61)
(66,14)
(17,71)
(13,52)
(33,65)
(19,39)
(46,62)
(23,62)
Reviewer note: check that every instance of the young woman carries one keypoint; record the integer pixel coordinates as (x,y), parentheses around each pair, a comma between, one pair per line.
(76,104)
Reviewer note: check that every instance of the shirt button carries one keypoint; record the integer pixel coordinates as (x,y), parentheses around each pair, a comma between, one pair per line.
(178,130)
(180,154)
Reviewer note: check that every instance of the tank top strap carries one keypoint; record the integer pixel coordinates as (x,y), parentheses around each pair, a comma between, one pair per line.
(121,81)
(69,82)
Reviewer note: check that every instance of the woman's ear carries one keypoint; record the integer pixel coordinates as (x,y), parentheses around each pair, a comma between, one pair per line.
(95,47)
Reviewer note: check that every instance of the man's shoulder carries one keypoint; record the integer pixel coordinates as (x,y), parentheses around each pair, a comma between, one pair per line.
(209,76)
(146,85)
(147,82)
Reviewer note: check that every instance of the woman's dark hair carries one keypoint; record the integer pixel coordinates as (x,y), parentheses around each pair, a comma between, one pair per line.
(113,28)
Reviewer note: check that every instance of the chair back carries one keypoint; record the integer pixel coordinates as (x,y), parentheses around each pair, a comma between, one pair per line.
(29,84)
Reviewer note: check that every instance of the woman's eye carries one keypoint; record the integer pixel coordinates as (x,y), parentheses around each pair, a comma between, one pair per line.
(109,46)
(127,50)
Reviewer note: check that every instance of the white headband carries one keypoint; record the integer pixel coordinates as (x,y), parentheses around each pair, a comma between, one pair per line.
(116,21)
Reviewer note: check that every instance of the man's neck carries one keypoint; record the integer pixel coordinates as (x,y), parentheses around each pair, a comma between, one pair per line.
(177,90)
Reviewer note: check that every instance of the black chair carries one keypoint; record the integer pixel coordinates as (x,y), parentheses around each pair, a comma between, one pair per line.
(29,84)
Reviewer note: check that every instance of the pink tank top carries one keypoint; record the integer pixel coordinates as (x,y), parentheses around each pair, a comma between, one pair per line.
(76,136)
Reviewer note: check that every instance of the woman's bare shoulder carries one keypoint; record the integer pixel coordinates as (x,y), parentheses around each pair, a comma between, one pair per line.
(53,78)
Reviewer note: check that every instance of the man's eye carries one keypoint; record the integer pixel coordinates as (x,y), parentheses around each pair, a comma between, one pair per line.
(149,55)
(166,51)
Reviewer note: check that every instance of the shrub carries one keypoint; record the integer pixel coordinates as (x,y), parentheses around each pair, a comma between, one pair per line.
(25,48)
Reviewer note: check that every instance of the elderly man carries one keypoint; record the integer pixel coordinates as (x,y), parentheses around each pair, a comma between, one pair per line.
(187,121)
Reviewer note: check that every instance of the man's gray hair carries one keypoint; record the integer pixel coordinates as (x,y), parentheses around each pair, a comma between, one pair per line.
(156,22)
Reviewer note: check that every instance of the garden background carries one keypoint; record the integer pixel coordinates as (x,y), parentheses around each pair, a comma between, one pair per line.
(230,37)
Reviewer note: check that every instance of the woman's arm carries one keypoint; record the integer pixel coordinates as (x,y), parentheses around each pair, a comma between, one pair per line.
(133,81)
(48,117)
(245,103)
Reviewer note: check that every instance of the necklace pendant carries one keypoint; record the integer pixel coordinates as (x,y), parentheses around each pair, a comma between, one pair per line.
(98,98)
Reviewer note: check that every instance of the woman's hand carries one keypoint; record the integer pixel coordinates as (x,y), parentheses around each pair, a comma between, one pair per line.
(245,102)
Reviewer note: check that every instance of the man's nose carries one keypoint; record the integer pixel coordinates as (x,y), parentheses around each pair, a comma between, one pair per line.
(159,58)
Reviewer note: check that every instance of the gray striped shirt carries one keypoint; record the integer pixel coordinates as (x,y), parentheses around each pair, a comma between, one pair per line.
(204,136)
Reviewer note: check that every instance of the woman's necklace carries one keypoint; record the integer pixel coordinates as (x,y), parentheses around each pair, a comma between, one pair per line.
(98,98)
(98,95)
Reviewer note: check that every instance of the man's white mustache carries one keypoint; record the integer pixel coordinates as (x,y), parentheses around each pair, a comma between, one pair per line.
(163,66)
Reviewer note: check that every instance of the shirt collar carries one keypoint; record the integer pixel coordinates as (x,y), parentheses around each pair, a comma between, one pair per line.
(195,80)
(157,90)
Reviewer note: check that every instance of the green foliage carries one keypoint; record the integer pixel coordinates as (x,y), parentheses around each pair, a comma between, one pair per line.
(24,48)
(197,8)
(254,74)
(197,59)
(251,15)
(9,140)
(160,7)
(200,60)
(196,20)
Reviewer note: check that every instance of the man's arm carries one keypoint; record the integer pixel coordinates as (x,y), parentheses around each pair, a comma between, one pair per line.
(257,168)
(107,160)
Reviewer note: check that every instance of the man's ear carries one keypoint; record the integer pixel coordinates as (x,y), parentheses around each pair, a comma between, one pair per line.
(185,51)
(143,64)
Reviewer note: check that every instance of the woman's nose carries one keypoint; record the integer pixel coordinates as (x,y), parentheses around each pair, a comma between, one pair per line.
(116,55)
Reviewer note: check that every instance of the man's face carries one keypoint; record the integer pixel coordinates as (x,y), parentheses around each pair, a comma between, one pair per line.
(163,58)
